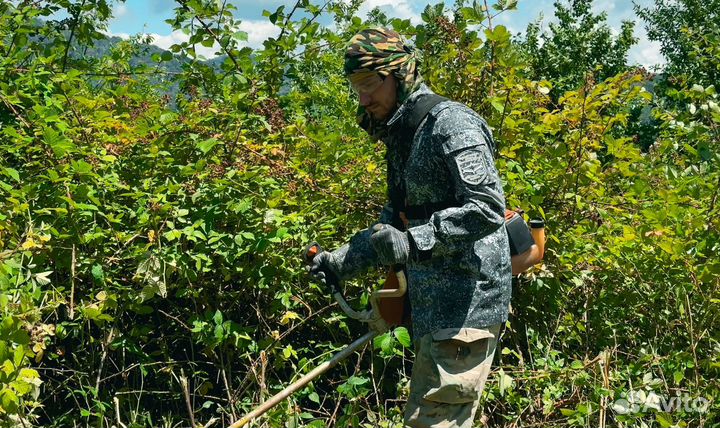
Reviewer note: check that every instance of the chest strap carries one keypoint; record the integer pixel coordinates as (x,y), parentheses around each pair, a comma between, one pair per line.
(425,211)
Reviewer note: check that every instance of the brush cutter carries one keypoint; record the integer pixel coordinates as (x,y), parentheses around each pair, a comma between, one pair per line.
(386,310)
(388,307)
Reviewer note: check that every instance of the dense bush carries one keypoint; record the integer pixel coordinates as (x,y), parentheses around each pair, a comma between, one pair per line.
(149,247)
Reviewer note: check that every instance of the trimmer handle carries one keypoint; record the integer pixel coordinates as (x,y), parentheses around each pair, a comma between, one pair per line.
(331,280)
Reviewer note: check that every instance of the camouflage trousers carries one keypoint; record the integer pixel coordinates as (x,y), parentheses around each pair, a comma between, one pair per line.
(448,377)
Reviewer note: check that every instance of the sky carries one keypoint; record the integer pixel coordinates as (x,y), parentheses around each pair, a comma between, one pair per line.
(148,17)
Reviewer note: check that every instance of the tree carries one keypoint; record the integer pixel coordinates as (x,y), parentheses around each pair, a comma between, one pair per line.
(579,43)
(684,29)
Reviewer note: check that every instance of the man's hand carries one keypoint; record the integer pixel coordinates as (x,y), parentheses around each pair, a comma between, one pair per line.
(324,268)
(391,245)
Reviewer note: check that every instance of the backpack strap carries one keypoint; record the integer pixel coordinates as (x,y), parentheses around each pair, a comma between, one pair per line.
(422,107)
(406,130)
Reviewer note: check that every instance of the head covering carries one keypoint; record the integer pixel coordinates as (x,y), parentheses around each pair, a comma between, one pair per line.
(382,51)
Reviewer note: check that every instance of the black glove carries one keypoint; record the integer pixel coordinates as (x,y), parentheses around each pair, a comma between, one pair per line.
(325,269)
(391,245)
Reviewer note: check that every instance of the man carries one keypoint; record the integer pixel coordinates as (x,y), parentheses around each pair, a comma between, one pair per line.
(444,221)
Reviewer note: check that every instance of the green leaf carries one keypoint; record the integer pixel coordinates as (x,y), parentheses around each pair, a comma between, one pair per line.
(19,356)
(664,420)
(384,342)
(678,376)
(92,312)
(20,336)
(402,335)
(22,388)
(162,288)
(471,14)
(166,56)
(148,292)
(82,167)
(289,352)
(498,34)
(12,173)
(168,118)
(172,235)
(498,105)
(505,382)
(219,332)
(667,246)
(207,145)
(59,144)
(9,400)
(98,274)
(357,380)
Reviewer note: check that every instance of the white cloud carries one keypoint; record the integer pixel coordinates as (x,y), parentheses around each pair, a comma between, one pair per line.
(124,36)
(645,52)
(603,6)
(393,8)
(258,32)
(166,40)
(509,20)
(120,10)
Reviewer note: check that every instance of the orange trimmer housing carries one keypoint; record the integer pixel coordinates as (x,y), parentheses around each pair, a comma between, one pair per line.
(394,310)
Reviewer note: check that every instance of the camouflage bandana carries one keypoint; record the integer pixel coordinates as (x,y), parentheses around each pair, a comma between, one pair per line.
(382,51)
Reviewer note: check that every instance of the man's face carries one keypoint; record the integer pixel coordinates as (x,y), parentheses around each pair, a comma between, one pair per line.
(380,98)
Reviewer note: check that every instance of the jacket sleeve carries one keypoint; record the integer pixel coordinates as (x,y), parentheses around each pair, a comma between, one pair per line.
(358,255)
(467,153)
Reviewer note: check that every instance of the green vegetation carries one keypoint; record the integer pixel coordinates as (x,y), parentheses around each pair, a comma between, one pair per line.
(580,42)
(149,247)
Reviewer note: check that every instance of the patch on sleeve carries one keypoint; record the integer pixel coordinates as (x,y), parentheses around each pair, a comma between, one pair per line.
(471,166)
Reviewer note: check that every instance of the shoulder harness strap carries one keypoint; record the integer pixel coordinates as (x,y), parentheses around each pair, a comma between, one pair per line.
(422,107)
(409,127)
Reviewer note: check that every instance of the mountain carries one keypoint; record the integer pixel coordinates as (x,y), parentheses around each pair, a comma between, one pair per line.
(147,55)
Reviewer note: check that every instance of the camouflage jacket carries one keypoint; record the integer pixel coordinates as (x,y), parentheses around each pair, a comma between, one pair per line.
(461,277)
